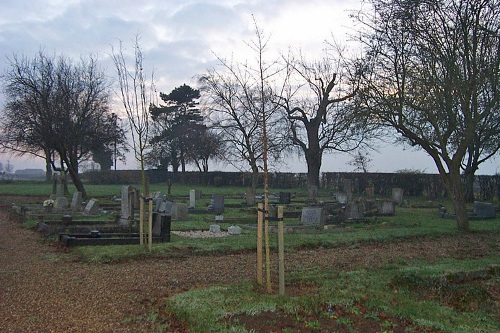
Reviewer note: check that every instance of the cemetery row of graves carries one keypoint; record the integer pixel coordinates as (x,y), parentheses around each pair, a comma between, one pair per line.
(115,221)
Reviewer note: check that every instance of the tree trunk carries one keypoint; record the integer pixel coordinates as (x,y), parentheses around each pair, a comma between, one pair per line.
(469,186)
(313,159)
(255,177)
(48,170)
(454,186)
(77,181)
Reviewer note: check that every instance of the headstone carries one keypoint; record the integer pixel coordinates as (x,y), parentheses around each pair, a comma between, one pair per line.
(341,197)
(76,201)
(92,208)
(215,228)
(484,210)
(347,187)
(386,207)
(397,195)
(61,203)
(234,230)
(285,198)
(312,216)
(272,212)
(192,199)
(217,204)
(250,196)
(126,205)
(355,210)
(182,212)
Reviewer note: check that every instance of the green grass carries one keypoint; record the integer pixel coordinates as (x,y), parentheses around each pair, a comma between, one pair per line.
(204,309)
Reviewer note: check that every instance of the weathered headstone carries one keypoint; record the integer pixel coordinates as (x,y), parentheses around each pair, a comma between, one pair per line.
(484,210)
(217,204)
(126,205)
(347,187)
(215,228)
(341,197)
(192,199)
(181,212)
(92,208)
(76,201)
(312,216)
(386,207)
(355,210)
(61,203)
(397,195)
(234,230)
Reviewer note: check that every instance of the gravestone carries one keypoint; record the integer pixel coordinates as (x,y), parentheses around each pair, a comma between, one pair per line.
(484,210)
(126,205)
(285,198)
(192,199)
(313,216)
(234,230)
(92,208)
(217,204)
(397,195)
(250,197)
(76,201)
(355,210)
(386,208)
(272,212)
(181,211)
(215,228)
(341,197)
(347,187)
(61,203)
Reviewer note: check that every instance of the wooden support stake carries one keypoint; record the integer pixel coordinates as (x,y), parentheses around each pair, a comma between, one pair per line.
(260,220)
(150,223)
(281,252)
(141,220)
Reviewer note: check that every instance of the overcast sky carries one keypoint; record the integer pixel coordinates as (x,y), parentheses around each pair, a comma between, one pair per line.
(179,39)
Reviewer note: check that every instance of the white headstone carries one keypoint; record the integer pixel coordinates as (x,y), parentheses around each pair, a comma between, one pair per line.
(192,199)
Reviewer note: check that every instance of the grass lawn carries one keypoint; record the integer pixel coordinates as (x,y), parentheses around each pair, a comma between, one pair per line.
(431,294)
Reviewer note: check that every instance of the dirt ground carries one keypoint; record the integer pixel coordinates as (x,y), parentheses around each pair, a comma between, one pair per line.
(39,292)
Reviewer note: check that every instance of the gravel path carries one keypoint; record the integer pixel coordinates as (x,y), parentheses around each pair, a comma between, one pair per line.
(41,292)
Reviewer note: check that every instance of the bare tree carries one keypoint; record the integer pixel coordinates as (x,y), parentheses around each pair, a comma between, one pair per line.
(319,109)
(136,91)
(241,99)
(55,105)
(434,79)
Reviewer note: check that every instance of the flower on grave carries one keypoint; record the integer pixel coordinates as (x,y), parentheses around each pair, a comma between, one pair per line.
(48,203)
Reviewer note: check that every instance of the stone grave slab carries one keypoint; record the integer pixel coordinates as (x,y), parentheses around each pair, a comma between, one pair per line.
(312,216)
(484,210)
